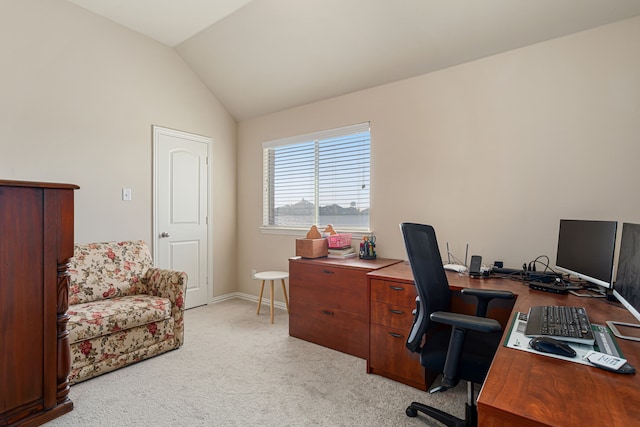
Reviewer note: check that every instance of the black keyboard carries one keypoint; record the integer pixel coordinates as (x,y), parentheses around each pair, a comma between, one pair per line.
(565,323)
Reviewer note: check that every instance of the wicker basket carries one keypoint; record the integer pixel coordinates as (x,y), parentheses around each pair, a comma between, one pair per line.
(339,241)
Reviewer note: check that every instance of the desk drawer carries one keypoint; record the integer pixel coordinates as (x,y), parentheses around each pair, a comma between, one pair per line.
(394,316)
(329,327)
(390,358)
(337,288)
(394,293)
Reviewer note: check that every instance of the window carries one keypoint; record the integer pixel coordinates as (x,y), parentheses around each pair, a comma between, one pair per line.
(318,179)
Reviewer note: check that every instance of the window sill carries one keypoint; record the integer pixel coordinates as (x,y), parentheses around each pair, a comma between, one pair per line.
(356,235)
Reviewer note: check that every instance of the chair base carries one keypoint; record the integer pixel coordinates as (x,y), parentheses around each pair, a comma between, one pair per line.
(471,415)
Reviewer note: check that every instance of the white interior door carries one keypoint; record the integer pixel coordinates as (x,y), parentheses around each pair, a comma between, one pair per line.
(181,208)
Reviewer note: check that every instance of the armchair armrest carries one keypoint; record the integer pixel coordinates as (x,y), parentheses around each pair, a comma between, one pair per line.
(484,296)
(172,285)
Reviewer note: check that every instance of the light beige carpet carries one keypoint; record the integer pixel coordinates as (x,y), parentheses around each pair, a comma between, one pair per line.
(236,369)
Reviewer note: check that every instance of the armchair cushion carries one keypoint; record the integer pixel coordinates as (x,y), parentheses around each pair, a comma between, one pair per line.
(99,318)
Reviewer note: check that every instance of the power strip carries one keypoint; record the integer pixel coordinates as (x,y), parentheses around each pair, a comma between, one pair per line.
(548,287)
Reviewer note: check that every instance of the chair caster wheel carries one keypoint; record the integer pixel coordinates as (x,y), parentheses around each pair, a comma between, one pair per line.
(411,412)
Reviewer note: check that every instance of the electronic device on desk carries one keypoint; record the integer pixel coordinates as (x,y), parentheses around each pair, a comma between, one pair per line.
(508,272)
(543,276)
(586,250)
(555,288)
(548,281)
(627,285)
(519,273)
(565,323)
(453,266)
(552,345)
(475,266)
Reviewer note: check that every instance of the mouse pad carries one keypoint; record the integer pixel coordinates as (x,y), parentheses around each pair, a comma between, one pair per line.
(518,341)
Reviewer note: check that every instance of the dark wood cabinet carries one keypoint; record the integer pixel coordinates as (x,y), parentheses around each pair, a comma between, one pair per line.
(329,302)
(36,242)
(392,302)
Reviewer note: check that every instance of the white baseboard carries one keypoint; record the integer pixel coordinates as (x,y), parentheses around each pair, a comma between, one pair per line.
(248,297)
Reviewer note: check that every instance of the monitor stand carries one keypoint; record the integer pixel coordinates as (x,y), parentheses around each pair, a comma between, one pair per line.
(613,326)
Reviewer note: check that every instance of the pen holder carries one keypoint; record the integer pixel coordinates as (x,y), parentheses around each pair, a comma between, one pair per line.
(368,247)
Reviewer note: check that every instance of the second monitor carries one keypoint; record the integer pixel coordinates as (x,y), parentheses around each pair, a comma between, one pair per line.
(627,286)
(586,250)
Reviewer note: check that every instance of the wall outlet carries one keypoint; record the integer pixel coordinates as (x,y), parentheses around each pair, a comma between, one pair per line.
(253,274)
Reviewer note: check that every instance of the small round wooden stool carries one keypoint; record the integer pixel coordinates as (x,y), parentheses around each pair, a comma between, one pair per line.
(272,275)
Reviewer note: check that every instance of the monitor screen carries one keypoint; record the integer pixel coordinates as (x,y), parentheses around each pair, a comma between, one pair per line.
(586,250)
(627,285)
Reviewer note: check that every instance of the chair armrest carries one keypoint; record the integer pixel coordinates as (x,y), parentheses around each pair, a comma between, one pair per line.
(484,296)
(464,321)
(170,284)
(488,293)
(460,324)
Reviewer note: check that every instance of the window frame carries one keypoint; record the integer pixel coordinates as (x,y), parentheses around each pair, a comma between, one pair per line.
(300,139)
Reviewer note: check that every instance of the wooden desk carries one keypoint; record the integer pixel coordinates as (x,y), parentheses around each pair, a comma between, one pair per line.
(329,304)
(525,389)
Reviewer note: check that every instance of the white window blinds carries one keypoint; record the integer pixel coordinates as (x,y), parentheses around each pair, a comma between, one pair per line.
(318,179)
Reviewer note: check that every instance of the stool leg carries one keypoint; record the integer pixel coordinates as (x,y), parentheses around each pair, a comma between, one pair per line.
(284,290)
(272,301)
(260,297)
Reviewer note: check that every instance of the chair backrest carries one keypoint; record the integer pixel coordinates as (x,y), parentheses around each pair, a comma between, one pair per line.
(104,270)
(429,277)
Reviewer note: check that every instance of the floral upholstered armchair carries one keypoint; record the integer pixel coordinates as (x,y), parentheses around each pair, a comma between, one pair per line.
(121,309)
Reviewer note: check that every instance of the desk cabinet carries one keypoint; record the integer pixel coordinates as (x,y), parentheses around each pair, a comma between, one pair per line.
(36,241)
(392,303)
(329,303)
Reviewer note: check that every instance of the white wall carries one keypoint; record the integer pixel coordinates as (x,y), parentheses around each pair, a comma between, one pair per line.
(491,153)
(78,97)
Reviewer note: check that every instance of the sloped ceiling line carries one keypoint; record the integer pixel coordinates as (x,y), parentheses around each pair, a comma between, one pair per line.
(263,56)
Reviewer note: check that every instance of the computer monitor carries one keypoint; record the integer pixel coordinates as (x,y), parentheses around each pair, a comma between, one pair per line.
(586,250)
(627,285)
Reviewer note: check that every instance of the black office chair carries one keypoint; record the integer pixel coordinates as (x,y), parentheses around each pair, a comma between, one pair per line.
(464,348)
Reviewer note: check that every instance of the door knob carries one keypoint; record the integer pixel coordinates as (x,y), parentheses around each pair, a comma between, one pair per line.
(164,234)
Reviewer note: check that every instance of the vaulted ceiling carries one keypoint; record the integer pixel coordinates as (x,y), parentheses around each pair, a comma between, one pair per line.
(263,56)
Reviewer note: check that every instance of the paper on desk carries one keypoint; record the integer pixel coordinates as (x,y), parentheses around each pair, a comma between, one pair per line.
(518,341)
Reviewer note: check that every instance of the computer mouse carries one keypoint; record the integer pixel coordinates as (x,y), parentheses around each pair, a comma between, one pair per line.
(551,345)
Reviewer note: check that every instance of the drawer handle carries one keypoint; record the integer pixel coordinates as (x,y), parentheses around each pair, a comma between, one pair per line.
(397,288)
(327,271)
(327,312)
(396,311)
(393,334)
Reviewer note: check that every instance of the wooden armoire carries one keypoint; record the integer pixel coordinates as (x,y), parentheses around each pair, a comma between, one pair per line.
(36,242)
